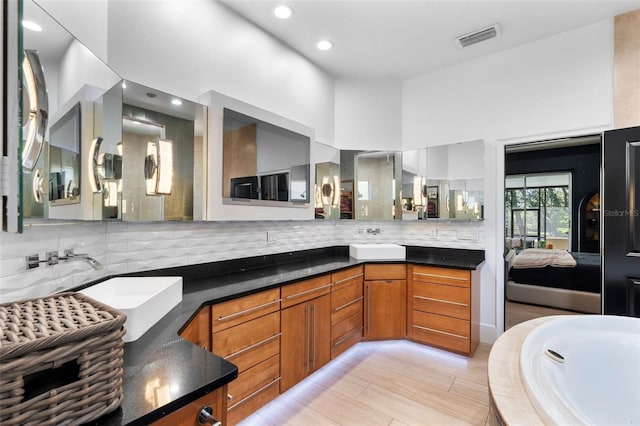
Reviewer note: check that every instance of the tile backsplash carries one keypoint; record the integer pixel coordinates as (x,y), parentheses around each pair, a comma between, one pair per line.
(132,247)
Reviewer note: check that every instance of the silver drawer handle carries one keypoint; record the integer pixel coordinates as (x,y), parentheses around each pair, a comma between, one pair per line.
(440,276)
(302,293)
(246,311)
(277,379)
(347,279)
(255,345)
(441,301)
(205,416)
(441,332)
(348,304)
(348,336)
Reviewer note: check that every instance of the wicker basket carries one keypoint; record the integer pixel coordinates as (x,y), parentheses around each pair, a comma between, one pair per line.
(61,360)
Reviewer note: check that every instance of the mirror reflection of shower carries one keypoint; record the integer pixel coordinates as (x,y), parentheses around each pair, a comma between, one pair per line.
(375,189)
(137,203)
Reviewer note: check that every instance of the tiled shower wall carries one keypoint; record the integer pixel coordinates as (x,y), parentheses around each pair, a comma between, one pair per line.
(133,247)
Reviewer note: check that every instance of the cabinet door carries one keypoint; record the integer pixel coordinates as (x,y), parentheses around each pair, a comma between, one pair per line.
(385,314)
(188,414)
(306,334)
(198,330)
(321,332)
(294,347)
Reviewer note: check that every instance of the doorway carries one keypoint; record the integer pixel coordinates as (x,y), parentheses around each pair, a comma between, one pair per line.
(546,184)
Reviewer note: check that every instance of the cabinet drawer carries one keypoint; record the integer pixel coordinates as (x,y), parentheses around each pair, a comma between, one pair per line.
(253,379)
(346,327)
(302,291)
(343,277)
(346,294)
(229,342)
(234,312)
(442,299)
(438,330)
(247,406)
(346,342)
(254,354)
(347,310)
(385,271)
(433,274)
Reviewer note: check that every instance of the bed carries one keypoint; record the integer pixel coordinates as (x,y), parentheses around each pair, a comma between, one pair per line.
(555,278)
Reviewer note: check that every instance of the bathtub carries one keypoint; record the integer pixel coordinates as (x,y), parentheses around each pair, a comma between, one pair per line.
(584,370)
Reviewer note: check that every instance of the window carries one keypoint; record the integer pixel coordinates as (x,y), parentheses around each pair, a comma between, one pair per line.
(537,206)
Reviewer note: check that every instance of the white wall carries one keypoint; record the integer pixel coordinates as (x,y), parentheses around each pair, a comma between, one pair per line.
(555,87)
(368,114)
(556,84)
(190,47)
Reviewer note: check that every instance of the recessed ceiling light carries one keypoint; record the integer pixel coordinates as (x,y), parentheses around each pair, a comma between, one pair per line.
(324,45)
(283,11)
(124,84)
(176,101)
(30,25)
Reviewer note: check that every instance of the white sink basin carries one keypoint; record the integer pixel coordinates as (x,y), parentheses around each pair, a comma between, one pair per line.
(378,251)
(145,300)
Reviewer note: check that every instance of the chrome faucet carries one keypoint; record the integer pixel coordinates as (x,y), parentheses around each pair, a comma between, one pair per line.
(53,258)
(374,231)
(70,256)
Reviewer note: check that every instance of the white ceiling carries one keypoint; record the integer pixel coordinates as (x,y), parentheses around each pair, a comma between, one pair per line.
(396,39)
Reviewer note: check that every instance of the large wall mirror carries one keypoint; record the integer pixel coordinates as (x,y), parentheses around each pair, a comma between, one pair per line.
(61,80)
(263,164)
(108,149)
(444,182)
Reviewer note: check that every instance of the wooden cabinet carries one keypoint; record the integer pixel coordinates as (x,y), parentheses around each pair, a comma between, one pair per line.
(246,331)
(347,302)
(443,307)
(385,295)
(306,333)
(188,414)
(198,330)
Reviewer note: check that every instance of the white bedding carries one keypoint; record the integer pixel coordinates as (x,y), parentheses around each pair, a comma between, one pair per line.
(539,258)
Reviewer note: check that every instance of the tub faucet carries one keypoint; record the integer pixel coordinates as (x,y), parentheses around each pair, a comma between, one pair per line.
(70,256)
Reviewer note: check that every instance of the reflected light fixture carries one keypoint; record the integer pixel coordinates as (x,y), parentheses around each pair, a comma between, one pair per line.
(419,191)
(30,25)
(324,45)
(36,113)
(37,186)
(111,194)
(283,11)
(176,102)
(158,167)
(336,191)
(92,160)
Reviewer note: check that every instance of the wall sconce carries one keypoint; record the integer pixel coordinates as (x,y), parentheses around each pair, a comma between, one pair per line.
(329,191)
(35,93)
(158,167)
(105,174)
(93,159)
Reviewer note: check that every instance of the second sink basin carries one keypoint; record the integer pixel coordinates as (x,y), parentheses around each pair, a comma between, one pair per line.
(378,251)
(144,300)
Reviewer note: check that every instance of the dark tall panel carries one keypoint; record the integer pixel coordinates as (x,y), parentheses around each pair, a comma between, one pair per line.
(621,221)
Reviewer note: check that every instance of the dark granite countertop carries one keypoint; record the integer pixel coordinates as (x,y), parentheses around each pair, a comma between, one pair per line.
(163,372)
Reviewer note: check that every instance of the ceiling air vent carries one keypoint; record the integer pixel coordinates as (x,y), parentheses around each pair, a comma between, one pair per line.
(478,36)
